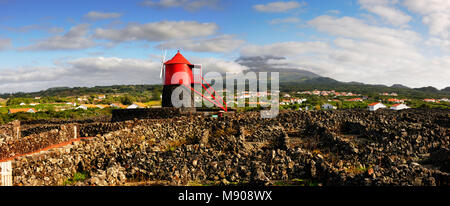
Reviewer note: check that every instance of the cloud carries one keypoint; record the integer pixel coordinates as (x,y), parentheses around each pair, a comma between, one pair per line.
(158,31)
(443,44)
(95,15)
(359,52)
(218,65)
(92,71)
(98,71)
(5,43)
(358,29)
(220,44)
(35,74)
(386,10)
(283,49)
(190,5)
(76,38)
(436,15)
(278,6)
(288,20)
(37,27)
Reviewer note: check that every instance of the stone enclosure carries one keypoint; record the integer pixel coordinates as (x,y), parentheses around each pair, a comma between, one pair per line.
(351,147)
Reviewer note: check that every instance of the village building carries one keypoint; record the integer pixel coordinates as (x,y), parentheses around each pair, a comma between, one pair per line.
(102,106)
(429,100)
(399,107)
(87,106)
(375,106)
(137,105)
(285,102)
(25,110)
(354,100)
(118,105)
(396,100)
(328,106)
(298,101)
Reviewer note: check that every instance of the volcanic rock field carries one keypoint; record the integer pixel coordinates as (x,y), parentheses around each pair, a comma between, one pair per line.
(308,148)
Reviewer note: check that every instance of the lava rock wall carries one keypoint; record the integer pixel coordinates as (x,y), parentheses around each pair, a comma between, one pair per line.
(326,147)
(150,113)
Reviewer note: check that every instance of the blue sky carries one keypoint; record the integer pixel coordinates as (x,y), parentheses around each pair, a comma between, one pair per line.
(86,43)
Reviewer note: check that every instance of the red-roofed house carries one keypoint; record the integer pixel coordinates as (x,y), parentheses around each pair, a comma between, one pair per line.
(355,100)
(396,100)
(27,110)
(399,107)
(375,106)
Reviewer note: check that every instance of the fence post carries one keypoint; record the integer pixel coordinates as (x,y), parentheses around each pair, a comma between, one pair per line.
(74,131)
(6,173)
(16,128)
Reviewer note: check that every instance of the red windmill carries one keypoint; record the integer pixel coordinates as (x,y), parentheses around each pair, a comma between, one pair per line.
(179,71)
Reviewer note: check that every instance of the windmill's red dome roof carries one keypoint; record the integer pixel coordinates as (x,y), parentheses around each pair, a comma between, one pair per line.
(178,59)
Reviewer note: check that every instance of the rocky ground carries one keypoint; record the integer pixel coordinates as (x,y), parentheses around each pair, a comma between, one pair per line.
(326,148)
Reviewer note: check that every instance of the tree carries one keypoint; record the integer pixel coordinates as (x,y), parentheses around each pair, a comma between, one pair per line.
(126,100)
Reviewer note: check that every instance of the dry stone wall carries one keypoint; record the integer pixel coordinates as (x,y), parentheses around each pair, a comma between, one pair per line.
(326,147)
(35,142)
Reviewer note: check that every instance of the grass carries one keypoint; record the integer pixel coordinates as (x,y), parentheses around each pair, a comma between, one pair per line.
(358,170)
(77,177)
(297,182)
(153,103)
(173,145)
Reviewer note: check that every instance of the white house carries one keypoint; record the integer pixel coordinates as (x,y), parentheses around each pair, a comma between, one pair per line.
(21,104)
(136,105)
(328,106)
(376,106)
(84,107)
(399,107)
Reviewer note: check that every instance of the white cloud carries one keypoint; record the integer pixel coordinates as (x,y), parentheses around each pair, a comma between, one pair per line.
(35,74)
(218,65)
(386,10)
(92,71)
(158,31)
(358,29)
(220,44)
(436,15)
(5,43)
(288,20)
(95,15)
(190,5)
(278,6)
(98,71)
(443,44)
(360,52)
(284,49)
(75,39)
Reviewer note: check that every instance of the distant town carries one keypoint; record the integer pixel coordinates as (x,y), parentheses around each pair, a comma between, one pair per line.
(99,104)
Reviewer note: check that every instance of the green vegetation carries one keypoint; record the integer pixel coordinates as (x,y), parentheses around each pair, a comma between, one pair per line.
(323,83)
(52,103)
(67,114)
(77,177)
